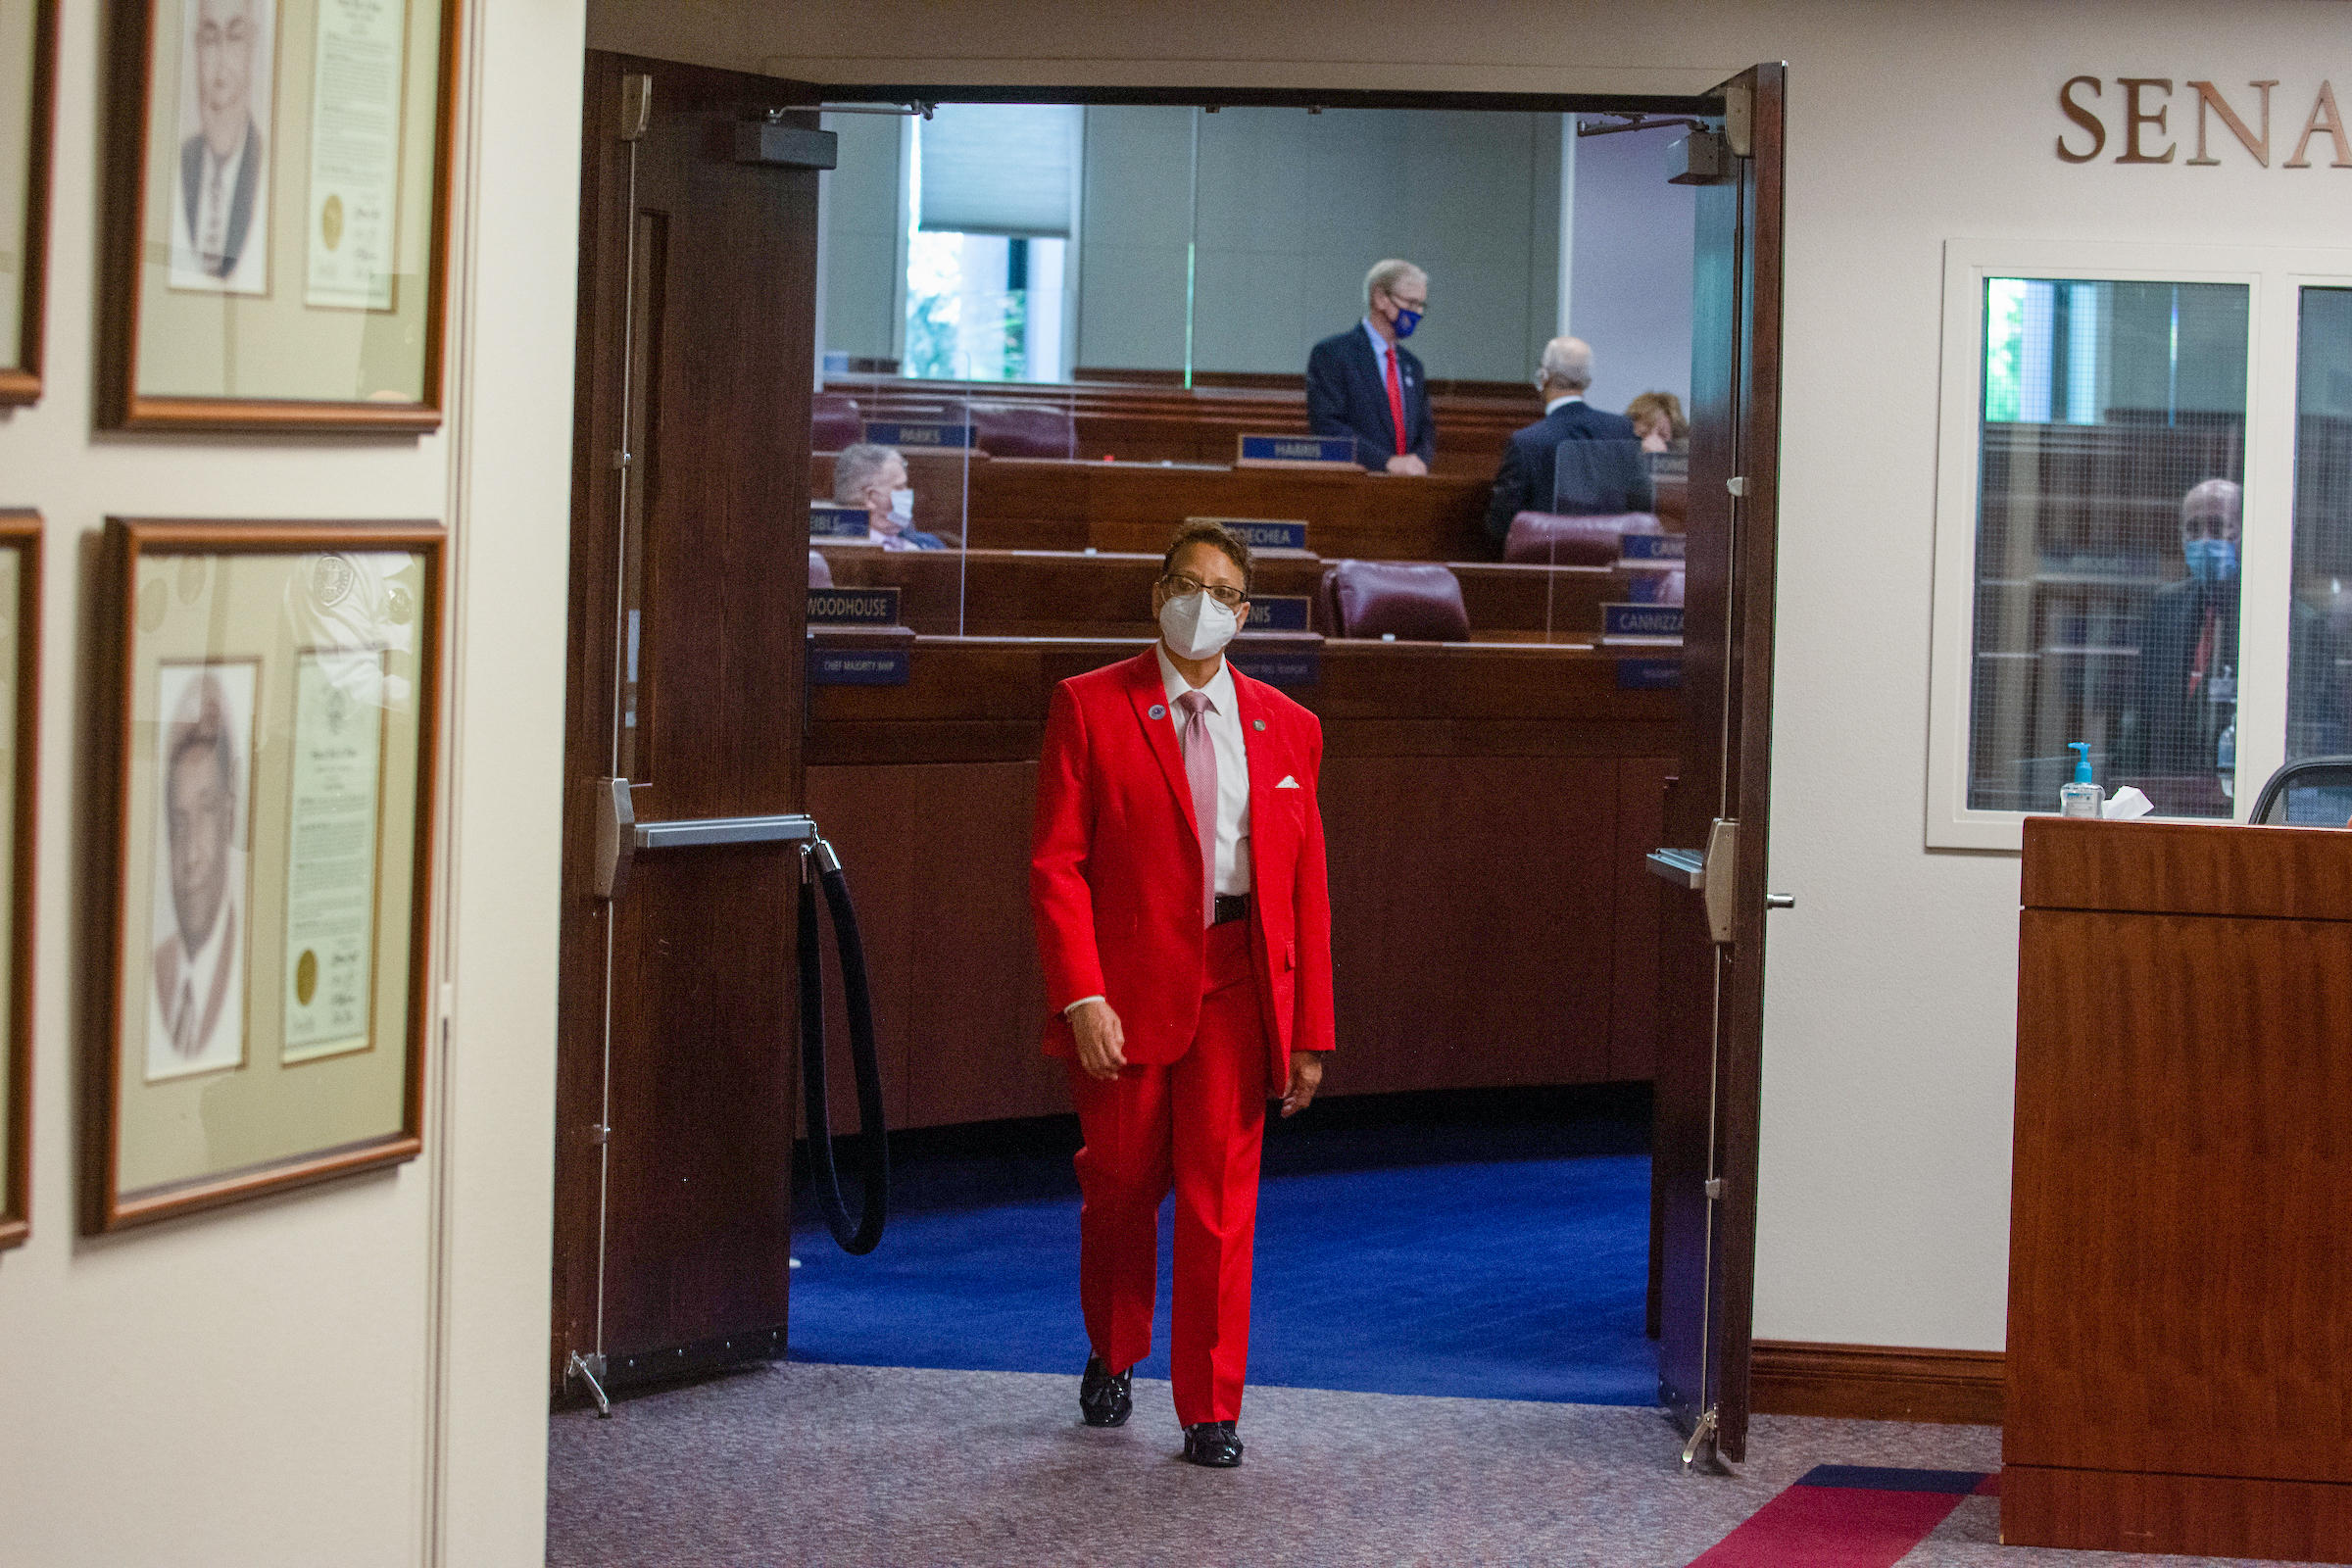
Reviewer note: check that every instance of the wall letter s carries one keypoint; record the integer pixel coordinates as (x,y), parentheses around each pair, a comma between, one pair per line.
(2082,116)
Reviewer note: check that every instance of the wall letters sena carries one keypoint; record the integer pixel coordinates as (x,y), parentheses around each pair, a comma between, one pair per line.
(2136,116)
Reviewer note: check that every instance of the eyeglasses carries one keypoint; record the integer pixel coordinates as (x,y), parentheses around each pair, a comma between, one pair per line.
(1183,583)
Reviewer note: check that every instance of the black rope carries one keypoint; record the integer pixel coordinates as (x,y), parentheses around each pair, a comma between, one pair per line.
(873,1137)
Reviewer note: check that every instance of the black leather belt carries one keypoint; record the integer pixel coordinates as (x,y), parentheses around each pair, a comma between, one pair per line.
(1231,906)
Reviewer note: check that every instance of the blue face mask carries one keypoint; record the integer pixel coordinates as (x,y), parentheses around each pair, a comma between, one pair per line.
(2211,559)
(1406,320)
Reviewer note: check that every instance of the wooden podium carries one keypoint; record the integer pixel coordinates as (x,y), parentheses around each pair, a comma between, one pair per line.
(2179,1359)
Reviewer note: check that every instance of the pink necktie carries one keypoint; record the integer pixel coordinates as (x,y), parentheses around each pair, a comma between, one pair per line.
(1201,771)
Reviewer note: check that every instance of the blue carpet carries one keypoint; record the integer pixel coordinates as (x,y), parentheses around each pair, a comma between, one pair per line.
(1452,1258)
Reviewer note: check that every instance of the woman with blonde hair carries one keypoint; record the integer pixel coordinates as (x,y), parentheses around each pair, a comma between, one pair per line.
(1658,420)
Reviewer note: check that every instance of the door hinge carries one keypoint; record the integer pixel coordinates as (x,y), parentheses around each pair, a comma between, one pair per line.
(1714,1189)
(1720,880)
(636,104)
(1736,485)
(1740,118)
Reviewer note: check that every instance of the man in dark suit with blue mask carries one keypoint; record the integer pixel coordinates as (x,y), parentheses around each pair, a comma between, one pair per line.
(1601,473)
(1364,383)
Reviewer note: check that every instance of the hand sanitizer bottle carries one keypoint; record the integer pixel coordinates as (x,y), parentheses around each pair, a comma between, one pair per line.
(2081,798)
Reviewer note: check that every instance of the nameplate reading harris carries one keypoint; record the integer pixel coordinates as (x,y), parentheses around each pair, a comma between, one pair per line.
(921,433)
(853,607)
(1298,452)
(1261,533)
(1641,623)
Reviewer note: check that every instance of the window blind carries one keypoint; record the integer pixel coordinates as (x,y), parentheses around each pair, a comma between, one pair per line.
(998,168)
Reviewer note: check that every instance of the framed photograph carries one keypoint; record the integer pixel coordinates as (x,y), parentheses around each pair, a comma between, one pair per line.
(19,707)
(272,742)
(28,112)
(277,214)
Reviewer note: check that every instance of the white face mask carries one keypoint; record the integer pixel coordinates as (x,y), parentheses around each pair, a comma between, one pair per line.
(901,506)
(1195,626)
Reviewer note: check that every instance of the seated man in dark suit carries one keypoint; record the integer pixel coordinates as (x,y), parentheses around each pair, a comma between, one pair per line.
(1606,474)
(1364,384)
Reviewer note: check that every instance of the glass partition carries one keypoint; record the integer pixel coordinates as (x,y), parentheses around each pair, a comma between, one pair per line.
(2111,460)
(2319,611)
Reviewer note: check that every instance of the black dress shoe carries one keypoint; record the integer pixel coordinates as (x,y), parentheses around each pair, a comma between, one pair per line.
(1104,1399)
(1212,1443)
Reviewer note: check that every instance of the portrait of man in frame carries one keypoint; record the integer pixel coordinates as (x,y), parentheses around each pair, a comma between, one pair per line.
(200,947)
(221,200)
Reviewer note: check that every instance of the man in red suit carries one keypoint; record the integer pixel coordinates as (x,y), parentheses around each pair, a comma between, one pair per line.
(1183,921)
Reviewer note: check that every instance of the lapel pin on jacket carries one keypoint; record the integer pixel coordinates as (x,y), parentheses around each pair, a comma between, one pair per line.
(1158,711)
(1288,783)
(1257,724)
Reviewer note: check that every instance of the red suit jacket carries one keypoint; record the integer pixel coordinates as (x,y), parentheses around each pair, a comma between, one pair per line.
(1116,878)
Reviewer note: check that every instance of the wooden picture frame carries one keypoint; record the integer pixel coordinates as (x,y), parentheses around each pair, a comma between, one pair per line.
(271,754)
(21,658)
(242,291)
(24,230)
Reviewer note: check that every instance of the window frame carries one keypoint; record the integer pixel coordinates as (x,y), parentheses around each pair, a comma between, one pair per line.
(2275,277)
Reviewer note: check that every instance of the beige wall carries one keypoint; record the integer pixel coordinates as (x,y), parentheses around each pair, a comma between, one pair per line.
(1891,987)
(354,1374)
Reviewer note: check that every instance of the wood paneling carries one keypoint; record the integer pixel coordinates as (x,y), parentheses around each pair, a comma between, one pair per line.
(1875,1382)
(2184,1120)
(1641,906)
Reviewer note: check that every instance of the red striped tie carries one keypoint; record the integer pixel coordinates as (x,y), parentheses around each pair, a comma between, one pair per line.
(1396,403)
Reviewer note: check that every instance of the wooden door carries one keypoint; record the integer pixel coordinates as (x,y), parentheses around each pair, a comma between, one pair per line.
(1711,992)
(689,576)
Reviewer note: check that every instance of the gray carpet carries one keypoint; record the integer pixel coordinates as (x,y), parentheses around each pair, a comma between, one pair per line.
(829,1466)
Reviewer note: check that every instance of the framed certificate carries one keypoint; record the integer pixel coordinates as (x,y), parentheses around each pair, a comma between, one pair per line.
(277,202)
(274,692)
(27,99)
(20,705)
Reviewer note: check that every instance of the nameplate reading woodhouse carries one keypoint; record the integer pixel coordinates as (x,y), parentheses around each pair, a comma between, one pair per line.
(2136,118)
(853,607)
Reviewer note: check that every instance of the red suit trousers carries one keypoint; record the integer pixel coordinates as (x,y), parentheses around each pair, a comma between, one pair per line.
(1195,1126)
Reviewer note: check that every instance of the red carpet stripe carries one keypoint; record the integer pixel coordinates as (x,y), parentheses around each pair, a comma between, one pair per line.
(1846,1516)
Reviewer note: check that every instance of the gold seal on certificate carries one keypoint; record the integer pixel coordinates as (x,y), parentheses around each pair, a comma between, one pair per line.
(331,853)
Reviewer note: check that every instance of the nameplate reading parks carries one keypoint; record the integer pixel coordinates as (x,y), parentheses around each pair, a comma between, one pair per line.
(827,522)
(859,667)
(853,607)
(1296,452)
(1641,623)
(1278,612)
(1652,547)
(926,434)
(1261,533)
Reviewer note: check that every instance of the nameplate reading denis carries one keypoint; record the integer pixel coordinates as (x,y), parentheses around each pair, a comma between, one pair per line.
(1649,674)
(829,521)
(1278,612)
(1641,622)
(1336,450)
(1652,547)
(905,433)
(1288,667)
(858,666)
(853,607)
(1261,533)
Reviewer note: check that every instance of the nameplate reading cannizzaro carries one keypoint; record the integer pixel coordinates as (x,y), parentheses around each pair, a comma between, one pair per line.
(829,521)
(921,433)
(1298,452)
(1641,623)
(1261,533)
(853,607)
(1278,612)
(858,666)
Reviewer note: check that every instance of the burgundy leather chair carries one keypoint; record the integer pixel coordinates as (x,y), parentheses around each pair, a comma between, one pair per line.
(1413,601)
(1549,538)
(834,422)
(1025,430)
(820,570)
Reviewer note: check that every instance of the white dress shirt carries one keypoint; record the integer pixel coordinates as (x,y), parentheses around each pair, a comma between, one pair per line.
(1382,347)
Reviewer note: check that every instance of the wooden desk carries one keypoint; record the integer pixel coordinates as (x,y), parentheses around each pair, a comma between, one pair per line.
(1037,593)
(2180,1330)
(1488,810)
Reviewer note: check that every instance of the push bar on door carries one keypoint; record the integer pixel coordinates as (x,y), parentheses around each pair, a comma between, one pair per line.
(789,829)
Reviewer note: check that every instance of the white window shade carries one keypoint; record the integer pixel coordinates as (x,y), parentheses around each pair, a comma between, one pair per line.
(999,169)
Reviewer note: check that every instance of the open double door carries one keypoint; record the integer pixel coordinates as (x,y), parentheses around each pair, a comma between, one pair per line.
(688,576)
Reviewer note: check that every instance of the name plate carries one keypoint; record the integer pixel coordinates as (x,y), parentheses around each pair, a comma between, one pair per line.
(1280,613)
(1338,450)
(1286,668)
(1668,465)
(1646,547)
(859,667)
(1261,533)
(923,433)
(829,521)
(1641,622)
(853,607)
(1649,674)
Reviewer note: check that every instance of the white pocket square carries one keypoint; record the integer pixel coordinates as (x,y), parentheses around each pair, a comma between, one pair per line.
(1288,783)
